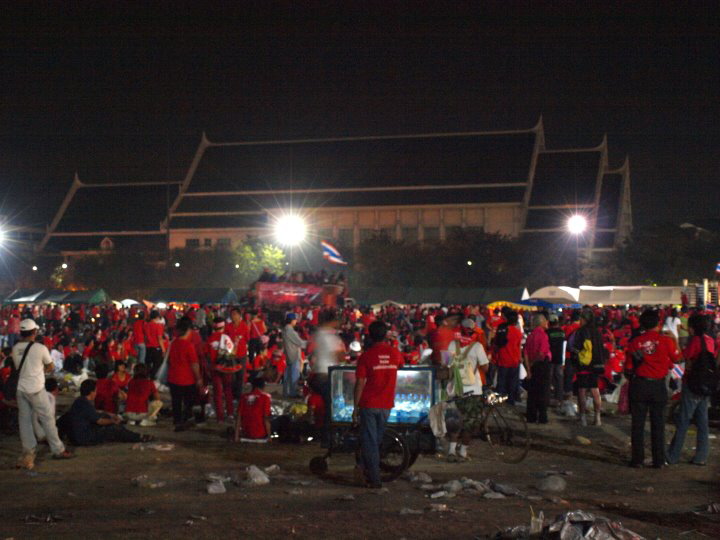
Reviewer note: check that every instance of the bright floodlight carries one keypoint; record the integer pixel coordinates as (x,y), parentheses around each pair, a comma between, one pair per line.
(34,268)
(290,230)
(577,224)
(2,237)
(64,266)
(177,265)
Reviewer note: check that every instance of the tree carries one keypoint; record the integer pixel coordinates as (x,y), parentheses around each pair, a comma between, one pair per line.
(252,257)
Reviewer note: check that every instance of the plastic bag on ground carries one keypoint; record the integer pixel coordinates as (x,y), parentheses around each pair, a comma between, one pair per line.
(256,477)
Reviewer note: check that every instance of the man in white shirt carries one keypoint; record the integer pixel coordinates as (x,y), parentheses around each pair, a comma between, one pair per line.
(328,351)
(58,357)
(32,397)
(470,360)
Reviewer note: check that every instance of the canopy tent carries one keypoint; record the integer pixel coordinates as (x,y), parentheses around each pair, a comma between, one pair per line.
(634,295)
(57,296)
(194,296)
(23,296)
(512,305)
(386,303)
(129,302)
(556,295)
(93,296)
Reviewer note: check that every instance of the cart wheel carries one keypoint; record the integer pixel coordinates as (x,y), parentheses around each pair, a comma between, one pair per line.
(318,465)
(413,458)
(394,455)
(507,433)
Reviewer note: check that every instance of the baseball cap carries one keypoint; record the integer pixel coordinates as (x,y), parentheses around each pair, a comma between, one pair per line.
(468,323)
(26,325)
(291,316)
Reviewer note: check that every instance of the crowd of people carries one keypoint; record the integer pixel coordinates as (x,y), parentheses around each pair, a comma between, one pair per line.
(121,360)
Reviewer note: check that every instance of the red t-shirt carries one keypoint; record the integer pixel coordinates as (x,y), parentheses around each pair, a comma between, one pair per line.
(107,391)
(182,356)
(509,355)
(121,382)
(441,340)
(379,365)
(659,354)
(318,403)
(139,332)
(254,407)
(153,334)
(138,395)
(239,334)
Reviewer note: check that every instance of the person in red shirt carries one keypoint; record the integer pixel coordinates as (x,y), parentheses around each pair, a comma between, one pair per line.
(121,377)
(218,344)
(239,332)
(183,374)
(649,358)
(257,330)
(506,353)
(444,335)
(316,406)
(154,331)
(375,379)
(138,337)
(107,391)
(142,390)
(693,407)
(254,411)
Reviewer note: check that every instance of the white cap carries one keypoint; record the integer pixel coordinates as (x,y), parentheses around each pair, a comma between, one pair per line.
(28,324)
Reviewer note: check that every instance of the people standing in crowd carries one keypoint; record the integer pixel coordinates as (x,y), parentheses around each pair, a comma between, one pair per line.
(588,355)
(537,357)
(138,337)
(184,378)
(292,346)
(649,358)
(693,407)
(218,348)
(556,338)
(470,362)
(328,350)
(32,360)
(374,397)
(154,341)
(257,330)
(507,342)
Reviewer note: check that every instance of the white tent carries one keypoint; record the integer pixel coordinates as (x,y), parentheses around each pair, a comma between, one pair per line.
(129,302)
(556,295)
(635,295)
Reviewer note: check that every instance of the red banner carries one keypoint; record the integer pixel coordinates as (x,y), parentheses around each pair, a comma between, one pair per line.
(287,293)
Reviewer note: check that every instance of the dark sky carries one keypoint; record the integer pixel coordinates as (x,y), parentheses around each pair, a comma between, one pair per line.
(124,93)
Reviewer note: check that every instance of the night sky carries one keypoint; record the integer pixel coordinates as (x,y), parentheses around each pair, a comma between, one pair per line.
(123,94)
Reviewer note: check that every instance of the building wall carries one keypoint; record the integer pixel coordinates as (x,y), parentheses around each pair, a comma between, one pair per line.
(350,226)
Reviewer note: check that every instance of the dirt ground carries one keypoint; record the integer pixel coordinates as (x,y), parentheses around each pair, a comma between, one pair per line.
(92,496)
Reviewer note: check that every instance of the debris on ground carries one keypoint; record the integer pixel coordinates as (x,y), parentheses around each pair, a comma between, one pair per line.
(468,483)
(410,512)
(143,512)
(216,488)
(256,477)
(216,477)
(294,491)
(418,477)
(295,482)
(712,508)
(345,498)
(272,469)
(582,441)
(574,525)
(32,519)
(649,489)
(453,486)
(441,494)
(381,491)
(430,487)
(505,489)
(160,447)
(198,517)
(436,507)
(144,481)
(552,484)
(493,495)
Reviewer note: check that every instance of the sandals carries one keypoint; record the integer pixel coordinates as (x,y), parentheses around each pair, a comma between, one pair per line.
(66,454)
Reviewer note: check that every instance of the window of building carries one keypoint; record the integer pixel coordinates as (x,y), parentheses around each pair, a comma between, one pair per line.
(192,242)
(453,232)
(432,233)
(223,242)
(388,232)
(345,237)
(207,242)
(410,234)
(325,234)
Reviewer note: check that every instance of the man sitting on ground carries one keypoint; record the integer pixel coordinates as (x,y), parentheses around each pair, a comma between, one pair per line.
(254,412)
(88,427)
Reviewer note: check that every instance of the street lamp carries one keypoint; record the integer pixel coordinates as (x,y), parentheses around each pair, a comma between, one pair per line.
(63,266)
(290,230)
(34,268)
(469,263)
(577,225)
(177,265)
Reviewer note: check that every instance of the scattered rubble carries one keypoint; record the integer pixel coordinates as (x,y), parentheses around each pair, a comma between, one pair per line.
(552,484)
(256,477)
(144,481)
(409,512)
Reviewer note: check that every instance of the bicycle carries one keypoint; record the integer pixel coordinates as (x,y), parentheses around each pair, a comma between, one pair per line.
(501,425)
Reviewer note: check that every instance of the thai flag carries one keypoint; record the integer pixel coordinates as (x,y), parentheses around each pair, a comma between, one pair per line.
(717,268)
(677,371)
(331,254)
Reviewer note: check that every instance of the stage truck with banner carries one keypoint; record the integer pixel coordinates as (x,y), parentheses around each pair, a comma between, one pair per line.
(296,294)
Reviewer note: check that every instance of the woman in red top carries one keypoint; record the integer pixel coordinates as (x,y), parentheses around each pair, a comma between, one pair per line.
(140,391)
(693,406)
(183,374)
(154,331)
(121,377)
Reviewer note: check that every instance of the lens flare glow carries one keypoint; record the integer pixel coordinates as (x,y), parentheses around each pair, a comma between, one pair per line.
(577,224)
(290,230)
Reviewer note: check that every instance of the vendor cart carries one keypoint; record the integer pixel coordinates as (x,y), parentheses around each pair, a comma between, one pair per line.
(415,393)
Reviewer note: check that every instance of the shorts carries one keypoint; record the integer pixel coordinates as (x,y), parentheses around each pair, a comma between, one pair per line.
(587,380)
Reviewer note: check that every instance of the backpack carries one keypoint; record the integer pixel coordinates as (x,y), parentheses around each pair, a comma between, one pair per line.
(501,336)
(585,354)
(10,387)
(703,377)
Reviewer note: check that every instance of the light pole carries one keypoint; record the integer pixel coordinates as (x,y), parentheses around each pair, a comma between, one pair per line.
(576,226)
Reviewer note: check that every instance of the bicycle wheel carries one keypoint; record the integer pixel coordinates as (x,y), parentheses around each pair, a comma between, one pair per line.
(394,455)
(507,433)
